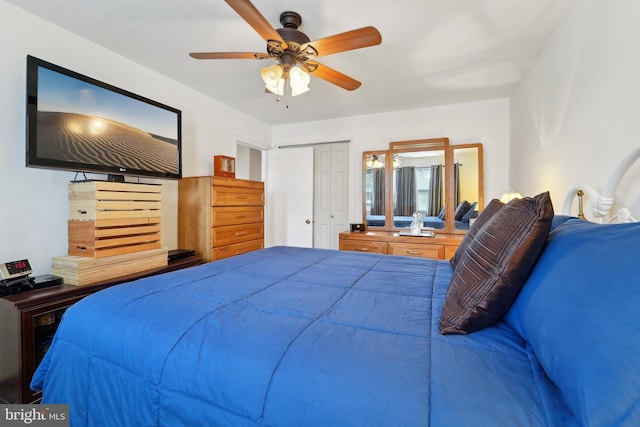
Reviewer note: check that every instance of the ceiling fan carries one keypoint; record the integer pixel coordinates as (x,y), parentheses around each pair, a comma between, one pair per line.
(294,52)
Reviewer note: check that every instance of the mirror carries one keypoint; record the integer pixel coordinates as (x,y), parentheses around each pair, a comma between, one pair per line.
(430,177)
(374,188)
(467,184)
(418,186)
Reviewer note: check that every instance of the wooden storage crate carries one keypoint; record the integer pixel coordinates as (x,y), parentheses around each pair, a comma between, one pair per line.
(108,237)
(79,270)
(113,218)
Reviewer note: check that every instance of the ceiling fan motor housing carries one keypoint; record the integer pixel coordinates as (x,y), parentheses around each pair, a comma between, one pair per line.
(294,38)
(289,32)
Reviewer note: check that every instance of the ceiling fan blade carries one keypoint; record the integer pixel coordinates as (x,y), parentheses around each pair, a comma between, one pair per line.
(225,55)
(354,39)
(333,76)
(249,13)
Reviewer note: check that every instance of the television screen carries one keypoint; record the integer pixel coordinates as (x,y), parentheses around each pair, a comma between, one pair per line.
(77,123)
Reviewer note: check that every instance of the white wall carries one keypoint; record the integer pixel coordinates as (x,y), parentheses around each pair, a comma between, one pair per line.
(486,122)
(576,116)
(34,202)
(33,212)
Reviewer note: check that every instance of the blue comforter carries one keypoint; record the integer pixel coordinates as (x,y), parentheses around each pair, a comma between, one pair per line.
(290,337)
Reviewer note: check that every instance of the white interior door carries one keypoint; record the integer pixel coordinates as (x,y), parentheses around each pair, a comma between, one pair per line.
(330,194)
(289,197)
(339,192)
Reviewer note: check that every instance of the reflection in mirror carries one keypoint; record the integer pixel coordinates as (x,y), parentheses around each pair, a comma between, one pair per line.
(467,184)
(428,177)
(418,186)
(374,188)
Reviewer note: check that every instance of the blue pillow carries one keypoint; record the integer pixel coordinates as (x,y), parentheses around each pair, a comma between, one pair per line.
(461,209)
(470,213)
(580,312)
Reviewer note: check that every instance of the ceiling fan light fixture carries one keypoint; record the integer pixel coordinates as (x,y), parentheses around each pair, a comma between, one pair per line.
(299,90)
(374,162)
(276,88)
(271,75)
(298,80)
(274,81)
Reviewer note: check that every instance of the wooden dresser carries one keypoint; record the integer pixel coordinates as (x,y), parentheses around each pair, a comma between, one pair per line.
(220,217)
(442,246)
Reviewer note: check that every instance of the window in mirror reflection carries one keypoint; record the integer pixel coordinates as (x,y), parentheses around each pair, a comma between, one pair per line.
(375,190)
(418,180)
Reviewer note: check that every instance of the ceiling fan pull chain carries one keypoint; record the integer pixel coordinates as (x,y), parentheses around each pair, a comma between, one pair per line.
(287,90)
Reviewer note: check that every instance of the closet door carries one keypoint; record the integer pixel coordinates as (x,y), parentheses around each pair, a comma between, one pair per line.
(330,194)
(289,206)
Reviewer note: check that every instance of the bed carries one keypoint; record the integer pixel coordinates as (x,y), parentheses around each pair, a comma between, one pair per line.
(310,337)
(251,339)
(283,336)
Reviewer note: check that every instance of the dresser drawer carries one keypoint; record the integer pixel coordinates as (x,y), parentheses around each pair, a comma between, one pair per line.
(363,246)
(230,234)
(236,215)
(422,250)
(236,249)
(234,196)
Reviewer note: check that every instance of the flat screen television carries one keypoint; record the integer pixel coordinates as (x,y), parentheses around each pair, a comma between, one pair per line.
(77,123)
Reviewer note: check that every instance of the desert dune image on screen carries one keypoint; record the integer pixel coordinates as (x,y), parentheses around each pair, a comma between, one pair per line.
(84,123)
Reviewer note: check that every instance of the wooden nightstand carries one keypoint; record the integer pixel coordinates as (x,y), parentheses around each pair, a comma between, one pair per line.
(29,320)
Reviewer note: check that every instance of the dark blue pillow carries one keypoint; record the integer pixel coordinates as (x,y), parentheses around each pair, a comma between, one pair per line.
(461,209)
(470,212)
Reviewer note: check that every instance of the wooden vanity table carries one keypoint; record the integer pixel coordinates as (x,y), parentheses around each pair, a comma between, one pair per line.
(442,246)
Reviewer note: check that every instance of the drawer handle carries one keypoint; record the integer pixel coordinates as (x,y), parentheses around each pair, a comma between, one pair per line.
(241,197)
(363,249)
(241,233)
(413,253)
(241,252)
(241,216)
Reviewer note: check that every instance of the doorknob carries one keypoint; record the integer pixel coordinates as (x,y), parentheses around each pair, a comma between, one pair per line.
(308,221)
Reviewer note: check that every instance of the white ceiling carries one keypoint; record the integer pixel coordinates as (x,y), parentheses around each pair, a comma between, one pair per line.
(433,52)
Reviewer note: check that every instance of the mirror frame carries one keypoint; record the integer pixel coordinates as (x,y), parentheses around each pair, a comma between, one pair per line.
(422,145)
(366,154)
(449,201)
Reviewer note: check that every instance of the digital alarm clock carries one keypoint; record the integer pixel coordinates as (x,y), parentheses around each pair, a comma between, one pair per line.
(10,271)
